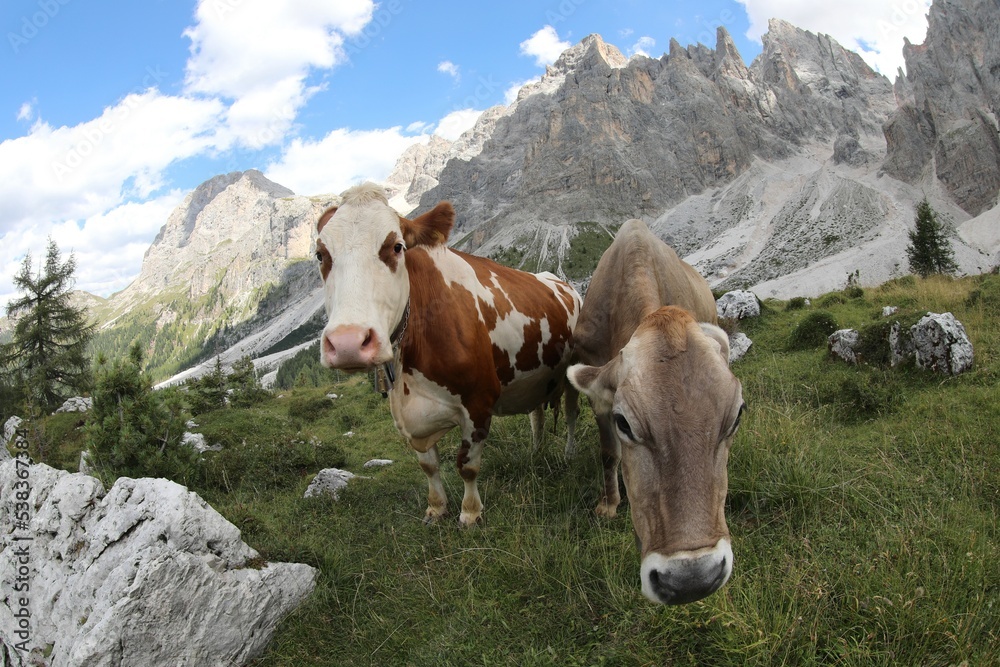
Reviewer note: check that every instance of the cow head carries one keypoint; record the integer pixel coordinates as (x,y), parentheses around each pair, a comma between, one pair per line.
(674,406)
(361,249)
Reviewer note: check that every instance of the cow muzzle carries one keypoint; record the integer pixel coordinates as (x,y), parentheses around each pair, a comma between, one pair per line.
(686,576)
(351,347)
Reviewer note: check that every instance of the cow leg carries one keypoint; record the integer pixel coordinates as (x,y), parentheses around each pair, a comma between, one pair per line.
(572,397)
(427,454)
(537,427)
(470,455)
(611,456)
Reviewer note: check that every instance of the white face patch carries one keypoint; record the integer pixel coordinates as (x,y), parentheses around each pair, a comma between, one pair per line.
(367,286)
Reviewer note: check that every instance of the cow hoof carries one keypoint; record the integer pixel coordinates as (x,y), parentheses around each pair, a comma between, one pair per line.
(606,511)
(470,520)
(432,516)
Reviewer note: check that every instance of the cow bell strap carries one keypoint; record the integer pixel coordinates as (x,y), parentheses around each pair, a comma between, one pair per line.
(385,375)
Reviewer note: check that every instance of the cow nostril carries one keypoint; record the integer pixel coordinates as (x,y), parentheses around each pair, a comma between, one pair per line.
(368,340)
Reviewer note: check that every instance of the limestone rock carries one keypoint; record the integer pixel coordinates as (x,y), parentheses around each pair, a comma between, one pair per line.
(144,574)
(940,344)
(329,481)
(76,404)
(889,311)
(9,434)
(198,443)
(738,304)
(739,345)
(377,463)
(842,344)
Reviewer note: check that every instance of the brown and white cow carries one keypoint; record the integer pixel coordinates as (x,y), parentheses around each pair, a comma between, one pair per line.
(465,338)
(667,407)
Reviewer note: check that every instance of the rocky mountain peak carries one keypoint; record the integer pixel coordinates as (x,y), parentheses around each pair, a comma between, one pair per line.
(946,126)
(589,51)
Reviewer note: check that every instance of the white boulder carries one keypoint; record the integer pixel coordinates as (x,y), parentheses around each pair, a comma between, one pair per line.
(737,305)
(842,344)
(144,574)
(377,463)
(76,404)
(329,481)
(940,344)
(197,442)
(739,345)
(9,434)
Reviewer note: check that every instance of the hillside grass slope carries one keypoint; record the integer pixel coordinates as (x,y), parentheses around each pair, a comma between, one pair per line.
(863,508)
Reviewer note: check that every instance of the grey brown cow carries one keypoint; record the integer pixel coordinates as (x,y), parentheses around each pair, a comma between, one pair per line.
(656,370)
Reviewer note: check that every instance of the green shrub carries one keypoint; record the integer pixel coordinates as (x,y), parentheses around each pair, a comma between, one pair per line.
(812,331)
(261,450)
(132,431)
(868,395)
(832,299)
(308,408)
(873,344)
(796,303)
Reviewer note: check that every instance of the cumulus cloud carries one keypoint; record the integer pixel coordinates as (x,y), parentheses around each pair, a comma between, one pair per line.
(642,47)
(109,247)
(340,159)
(449,68)
(454,124)
(873,28)
(544,46)
(26,112)
(73,173)
(259,53)
(246,80)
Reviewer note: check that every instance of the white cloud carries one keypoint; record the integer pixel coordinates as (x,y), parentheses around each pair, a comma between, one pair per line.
(449,68)
(259,54)
(510,95)
(26,112)
(454,124)
(873,28)
(339,160)
(73,173)
(642,47)
(108,247)
(544,46)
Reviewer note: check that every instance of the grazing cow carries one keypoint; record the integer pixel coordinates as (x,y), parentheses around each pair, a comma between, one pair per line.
(461,338)
(667,407)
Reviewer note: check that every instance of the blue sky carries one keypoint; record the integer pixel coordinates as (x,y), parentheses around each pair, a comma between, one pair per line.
(110,112)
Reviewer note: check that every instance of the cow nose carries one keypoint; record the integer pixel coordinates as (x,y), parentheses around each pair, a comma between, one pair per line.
(350,347)
(688,576)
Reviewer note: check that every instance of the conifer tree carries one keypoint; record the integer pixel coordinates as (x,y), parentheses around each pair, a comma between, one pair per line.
(46,362)
(929,250)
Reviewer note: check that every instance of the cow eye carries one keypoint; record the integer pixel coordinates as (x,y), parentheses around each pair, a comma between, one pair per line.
(319,256)
(623,426)
(398,248)
(739,416)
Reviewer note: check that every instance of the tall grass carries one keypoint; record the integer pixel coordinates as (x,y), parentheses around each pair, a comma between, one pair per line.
(862,506)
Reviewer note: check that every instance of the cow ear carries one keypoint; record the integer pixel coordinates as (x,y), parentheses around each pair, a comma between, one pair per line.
(325,218)
(431,228)
(718,336)
(598,383)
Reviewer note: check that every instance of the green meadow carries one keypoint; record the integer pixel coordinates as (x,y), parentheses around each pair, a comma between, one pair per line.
(863,506)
